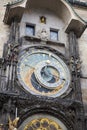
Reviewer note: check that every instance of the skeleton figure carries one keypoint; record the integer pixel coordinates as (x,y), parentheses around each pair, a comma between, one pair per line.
(13,124)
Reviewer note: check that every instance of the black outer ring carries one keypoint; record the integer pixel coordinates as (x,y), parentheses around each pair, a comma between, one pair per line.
(48,111)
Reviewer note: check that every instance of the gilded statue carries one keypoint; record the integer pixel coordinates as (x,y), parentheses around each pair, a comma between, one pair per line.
(13,124)
(1,127)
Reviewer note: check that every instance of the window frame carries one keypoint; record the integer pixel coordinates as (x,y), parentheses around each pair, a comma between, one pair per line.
(54,31)
(32,26)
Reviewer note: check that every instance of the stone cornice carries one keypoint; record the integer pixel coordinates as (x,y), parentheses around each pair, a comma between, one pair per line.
(78,3)
(73,2)
(16,9)
(14,2)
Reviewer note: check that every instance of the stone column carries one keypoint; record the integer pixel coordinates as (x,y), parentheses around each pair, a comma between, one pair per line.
(75,66)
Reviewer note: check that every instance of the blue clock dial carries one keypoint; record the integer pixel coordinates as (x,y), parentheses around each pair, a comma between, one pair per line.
(41,72)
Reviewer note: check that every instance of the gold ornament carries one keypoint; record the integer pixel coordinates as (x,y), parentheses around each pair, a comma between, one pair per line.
(43,19)
(42,124)
(13,124)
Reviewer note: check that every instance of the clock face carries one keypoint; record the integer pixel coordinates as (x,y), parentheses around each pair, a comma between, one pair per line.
(42,122)
(41,72)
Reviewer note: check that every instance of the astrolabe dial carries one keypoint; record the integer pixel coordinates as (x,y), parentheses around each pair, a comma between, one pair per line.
(42,122)
(48,74)
(42,72)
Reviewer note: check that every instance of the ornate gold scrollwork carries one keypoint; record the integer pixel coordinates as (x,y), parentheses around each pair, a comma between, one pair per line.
(13,124)
(42,124)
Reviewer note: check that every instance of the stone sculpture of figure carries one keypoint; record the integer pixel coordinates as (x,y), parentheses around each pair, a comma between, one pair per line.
(43,34)
(72,66)
(13,124)
(78,65)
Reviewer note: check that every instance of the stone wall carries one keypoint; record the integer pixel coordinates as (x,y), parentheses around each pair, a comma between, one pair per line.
(83,56)
(32,17)
(82,12)
(4,29)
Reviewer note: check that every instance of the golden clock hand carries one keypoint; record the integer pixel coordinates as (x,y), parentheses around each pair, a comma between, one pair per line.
(58,77)
(30,66)
(48,73)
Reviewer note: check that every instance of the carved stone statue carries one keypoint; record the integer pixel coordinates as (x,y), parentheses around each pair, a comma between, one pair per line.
(43,34)
(78,64)
(72,66)
(13,124)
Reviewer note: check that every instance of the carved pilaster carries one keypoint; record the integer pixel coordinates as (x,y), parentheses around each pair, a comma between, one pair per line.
(8,110)
(75,66)
(14,32)
(10,58)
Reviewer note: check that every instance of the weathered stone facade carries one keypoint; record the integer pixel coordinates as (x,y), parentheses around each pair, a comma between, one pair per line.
(4,29)
(32,16)
(81,12)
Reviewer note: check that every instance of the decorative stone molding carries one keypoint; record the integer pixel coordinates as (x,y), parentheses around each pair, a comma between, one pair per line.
(43,34)
(78,3)
(71,20)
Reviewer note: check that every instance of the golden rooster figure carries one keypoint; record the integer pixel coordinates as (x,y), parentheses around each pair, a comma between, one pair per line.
(13,124)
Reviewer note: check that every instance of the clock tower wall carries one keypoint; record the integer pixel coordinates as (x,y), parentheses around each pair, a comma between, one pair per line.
(53,21)
(32,17)
(41,67)
(4,31)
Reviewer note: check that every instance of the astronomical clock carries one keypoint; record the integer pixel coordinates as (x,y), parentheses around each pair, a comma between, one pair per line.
(41,72)
(40,69)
